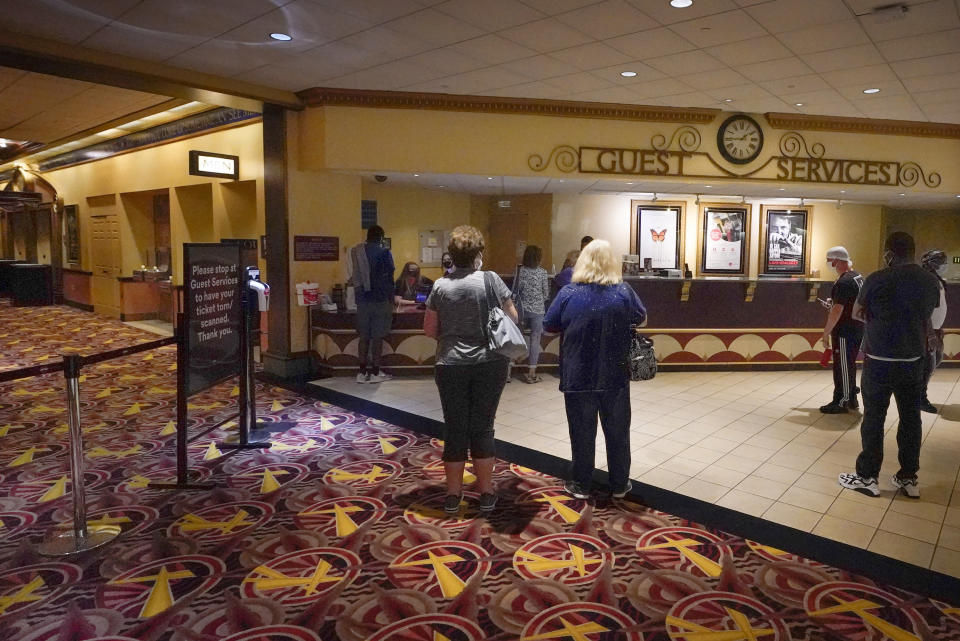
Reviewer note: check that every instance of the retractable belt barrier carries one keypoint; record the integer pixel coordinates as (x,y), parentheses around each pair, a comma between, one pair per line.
(64,541)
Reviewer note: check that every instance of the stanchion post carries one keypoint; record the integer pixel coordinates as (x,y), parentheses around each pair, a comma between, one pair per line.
(183,344)
(62,541)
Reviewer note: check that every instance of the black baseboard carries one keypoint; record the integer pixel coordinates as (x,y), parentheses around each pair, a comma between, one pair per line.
(73,303)
(847,557)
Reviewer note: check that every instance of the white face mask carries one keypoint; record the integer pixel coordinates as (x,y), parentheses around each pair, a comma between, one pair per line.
(478,263)
(942,269)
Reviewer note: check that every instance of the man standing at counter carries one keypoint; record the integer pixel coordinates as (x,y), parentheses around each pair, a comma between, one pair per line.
(895,303)
(843,333)
(374,306)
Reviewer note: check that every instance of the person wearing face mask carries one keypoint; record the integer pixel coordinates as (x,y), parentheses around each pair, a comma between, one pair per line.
(470,376)
(935,262)
(843,333)
(447,263)
(896,304)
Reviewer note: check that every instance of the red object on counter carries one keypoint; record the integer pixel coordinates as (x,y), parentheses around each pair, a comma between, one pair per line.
(825,359)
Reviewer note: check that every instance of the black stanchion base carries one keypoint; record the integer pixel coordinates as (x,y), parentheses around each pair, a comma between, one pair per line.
(259,438)
(190,484)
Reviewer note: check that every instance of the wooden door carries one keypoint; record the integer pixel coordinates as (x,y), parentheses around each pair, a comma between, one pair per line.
(105,260)
(508,232)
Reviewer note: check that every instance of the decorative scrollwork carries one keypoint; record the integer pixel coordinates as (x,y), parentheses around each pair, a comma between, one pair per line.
(687,137)
(565,157)
(911,172)
(792,143)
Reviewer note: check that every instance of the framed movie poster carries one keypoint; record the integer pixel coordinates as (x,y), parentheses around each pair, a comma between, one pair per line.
(656,233)
(785,240)
(71,221)
(723,239)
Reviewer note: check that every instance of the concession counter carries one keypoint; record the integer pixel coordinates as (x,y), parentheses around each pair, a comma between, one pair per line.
(696,324)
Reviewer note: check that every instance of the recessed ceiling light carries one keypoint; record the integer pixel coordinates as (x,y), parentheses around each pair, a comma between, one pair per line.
(903,194)
(489,177)
(843,191)
(681,4)
(280,36)
(441,186)
(415,175)
(629,183)
(784,189)
(871,90)
(798,104)
(708,186)
(628,74)
(728,99)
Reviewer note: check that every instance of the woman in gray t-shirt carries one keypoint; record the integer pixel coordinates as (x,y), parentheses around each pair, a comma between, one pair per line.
(469,377)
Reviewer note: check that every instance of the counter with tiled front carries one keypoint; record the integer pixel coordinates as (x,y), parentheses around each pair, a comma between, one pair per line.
(704,323)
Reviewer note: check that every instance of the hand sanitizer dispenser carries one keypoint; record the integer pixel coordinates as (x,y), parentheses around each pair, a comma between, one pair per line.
(262,289)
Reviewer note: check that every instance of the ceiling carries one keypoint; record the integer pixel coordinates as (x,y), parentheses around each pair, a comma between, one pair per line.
(42,108)
(760,55)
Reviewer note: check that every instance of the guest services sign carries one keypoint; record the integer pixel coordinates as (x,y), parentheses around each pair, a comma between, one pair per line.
(680,155)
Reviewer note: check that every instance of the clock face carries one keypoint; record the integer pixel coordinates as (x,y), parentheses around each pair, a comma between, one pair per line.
(740,139)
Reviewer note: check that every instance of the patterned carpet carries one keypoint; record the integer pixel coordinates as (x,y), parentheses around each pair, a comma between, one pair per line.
(335,533)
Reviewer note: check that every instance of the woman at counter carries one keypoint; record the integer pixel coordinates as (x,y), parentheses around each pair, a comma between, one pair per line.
(469,376)
(530,293)
(411,283)
(594,314)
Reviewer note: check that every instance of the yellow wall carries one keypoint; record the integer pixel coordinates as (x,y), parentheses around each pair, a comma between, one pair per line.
(353,139)
(405,211)
(201,209)
(931,229)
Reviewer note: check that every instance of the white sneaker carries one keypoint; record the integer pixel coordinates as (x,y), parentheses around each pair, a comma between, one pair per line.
(379,378)
(853,481)
(909,487)
(363,378)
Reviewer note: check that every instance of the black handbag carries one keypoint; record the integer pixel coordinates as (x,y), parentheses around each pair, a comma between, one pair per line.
(643,360)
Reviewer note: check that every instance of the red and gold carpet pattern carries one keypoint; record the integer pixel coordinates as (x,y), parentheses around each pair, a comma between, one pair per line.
(336,534)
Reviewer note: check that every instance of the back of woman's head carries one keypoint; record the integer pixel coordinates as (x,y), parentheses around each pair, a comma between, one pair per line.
(597,264)
(466,243)
(532,256)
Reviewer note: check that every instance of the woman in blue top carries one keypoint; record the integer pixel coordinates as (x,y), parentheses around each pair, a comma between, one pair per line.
(594,313)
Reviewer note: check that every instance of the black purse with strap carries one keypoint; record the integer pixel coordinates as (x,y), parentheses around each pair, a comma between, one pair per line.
(643,359)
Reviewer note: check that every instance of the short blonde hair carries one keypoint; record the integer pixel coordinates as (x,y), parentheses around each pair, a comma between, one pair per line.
(466,243)
(597,264)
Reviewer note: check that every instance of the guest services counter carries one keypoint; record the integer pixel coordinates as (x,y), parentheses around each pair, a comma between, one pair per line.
(706,323)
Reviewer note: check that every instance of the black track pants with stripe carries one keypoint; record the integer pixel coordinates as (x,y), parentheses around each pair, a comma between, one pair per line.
(846,343)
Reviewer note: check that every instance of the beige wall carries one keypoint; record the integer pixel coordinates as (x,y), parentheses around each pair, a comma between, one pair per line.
(201,209)
(930,229)
(405,211)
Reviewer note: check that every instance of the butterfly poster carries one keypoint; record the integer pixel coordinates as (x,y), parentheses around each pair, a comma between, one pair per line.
(657,230)
(723,239)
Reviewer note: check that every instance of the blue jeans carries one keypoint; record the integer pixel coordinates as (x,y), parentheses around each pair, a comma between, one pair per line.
(535,323)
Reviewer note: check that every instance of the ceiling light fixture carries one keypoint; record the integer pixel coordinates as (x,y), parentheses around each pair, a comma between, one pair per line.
(843,191)
(628,74)
(680,4)
(728,99)
(783,189)
(282,37)
(871,90)
(903,194)
(798,104)
(489,177)
(416,175)
(708,186)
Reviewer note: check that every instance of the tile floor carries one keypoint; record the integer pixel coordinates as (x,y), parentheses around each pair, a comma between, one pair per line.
(753,442)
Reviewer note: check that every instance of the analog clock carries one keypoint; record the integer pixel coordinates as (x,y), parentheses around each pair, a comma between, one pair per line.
(740,139)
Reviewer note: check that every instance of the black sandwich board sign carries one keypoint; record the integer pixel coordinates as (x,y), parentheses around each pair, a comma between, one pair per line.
(211,294)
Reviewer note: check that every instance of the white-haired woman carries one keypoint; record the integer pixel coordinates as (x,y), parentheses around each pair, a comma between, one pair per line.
(594,314)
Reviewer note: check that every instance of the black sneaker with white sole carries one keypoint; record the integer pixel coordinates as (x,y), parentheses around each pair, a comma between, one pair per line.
(451,504)
(576,490)
(853,481)
(488,501)
(622,492)
(909,487)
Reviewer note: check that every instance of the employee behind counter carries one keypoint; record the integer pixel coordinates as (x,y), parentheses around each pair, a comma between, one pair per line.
(412,288)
